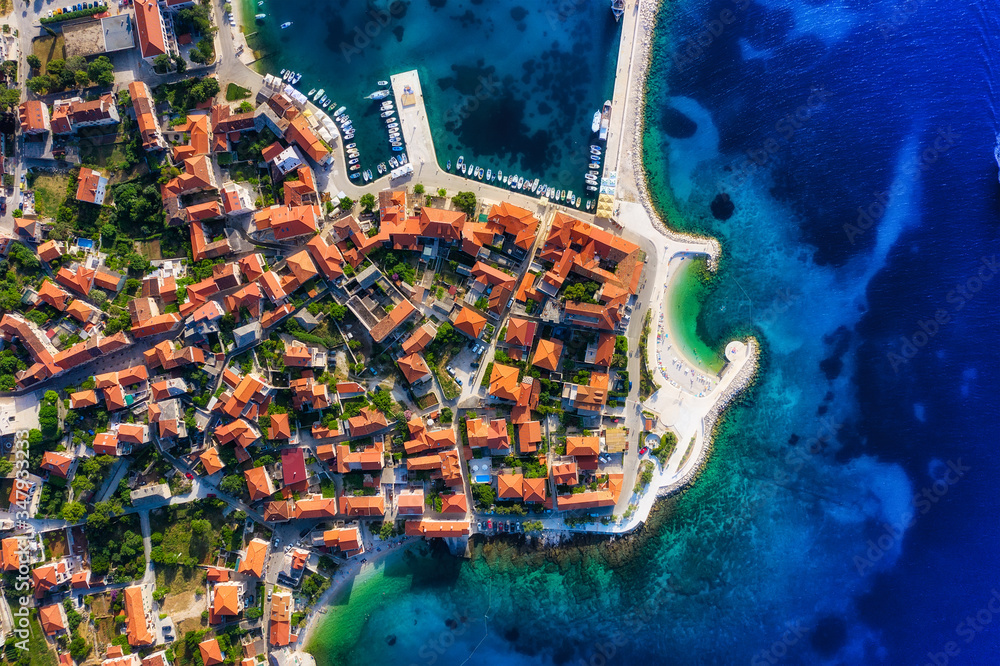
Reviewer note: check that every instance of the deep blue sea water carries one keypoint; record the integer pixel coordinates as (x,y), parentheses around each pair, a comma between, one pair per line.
(849,513)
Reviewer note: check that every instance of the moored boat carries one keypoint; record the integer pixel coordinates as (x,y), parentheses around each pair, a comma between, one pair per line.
(378,94)
(287,24)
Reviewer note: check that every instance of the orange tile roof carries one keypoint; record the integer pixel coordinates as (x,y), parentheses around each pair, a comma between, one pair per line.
(31,115)
(211,461)
(366,422)
(88,187)
(56,463)
(49,250)
(534,490)
(345,539)
(227,599)
(253,561)
(197,127)
(529,436)
(371,505)
(300,133)
(605,349)
(411,502)
(414,368)
(419,340)
(520,332)
(54,295)
(106,444)
(133,433)
(565,474)
(211,653)
(470,322)
(504,383)
(316,507)
(10,558)
(145,114)
(83,399)
(547,354)
(136,622)
(391,321)
(149,26)
(509,486)
(258,483)
(280,427)
(437,528)
(454,503)
(52,619)
(442,224)
(582,446)
(287,222)
(302,267)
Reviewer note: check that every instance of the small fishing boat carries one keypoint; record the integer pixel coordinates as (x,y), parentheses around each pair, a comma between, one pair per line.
(393,162)
(448,167)
(367,175)
(392,125)
(382,84)
(355,175)
(489,174)
(260,17)
(286,24)
(320,93)
(595,166)
(500,176)
(353,161)
(402,159)
(351,145)
(387,104)
(397,148)
(311,92)
(296,78)
(355,167)
(462,168)
(591,188)
(381,167)
(596,125)
(388,114)
(283,72)
(461,161)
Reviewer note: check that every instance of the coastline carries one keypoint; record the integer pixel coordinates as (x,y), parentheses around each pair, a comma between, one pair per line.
(348,573)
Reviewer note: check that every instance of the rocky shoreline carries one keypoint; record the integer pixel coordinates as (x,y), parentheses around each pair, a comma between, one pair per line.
(647,19)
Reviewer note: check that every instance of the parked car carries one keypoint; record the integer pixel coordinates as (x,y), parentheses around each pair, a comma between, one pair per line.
(644,450)
(189,475)
(489,524)
(458,381)
(211,496)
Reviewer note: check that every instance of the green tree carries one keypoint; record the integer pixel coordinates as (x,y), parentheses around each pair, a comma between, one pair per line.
(181,64)
(73,512)
(6,467)
(41,84)
(338,311)
(98,296)
(101,71)
(234,484)
(418,189)
(34,61)
(346,204)
(465,202)
(81,78)
(162,63)
(9,98)
(442,193)
(368,202)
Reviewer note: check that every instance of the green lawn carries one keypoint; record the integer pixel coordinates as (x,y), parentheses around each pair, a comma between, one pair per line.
(49,48)
(235,92)
(50,192)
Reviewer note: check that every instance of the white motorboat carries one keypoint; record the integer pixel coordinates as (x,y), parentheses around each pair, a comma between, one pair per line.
(339,112)
(596,125)
(319,94)
(489,174)
(287,24)
(379,94)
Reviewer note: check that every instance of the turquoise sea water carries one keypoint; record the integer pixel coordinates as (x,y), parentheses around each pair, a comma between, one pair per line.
(510,85)
(795,545)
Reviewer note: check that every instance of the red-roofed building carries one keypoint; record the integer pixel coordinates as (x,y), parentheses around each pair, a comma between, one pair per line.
(151,30)
(91,186)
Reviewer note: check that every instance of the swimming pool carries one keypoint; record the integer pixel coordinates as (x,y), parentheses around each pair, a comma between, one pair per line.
(85,243)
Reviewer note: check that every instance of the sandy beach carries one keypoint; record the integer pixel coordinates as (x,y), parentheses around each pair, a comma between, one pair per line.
(350,572)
